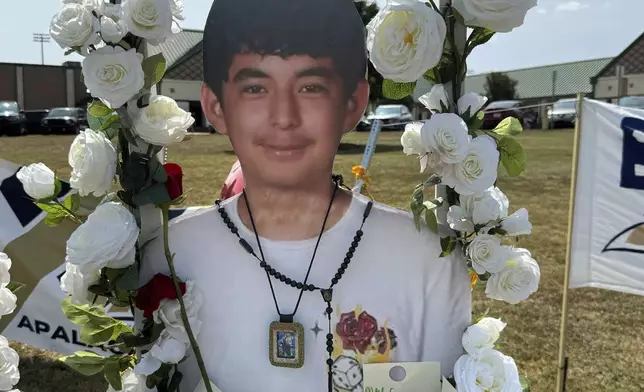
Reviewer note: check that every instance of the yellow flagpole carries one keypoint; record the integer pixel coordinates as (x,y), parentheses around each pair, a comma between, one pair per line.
(563,358)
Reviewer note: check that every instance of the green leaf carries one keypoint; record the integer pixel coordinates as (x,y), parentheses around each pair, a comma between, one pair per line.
(430,220)
(444,108)
(447,245)
(416,206)
(479,36)
(99,109)
(110,122)
(153,68)
(14,286)
(154,194)
(157,171)
(129,280)
(509,126)
(100,290)
(55,213)
(512,155)
(72,202)
(58,187)
(395,90)
(432,77)
(98,328)
(86,363)
(475,122)
(525,383)
(112,372)
(175,381)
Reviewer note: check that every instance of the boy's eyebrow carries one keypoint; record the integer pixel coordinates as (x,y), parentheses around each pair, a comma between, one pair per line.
(323,72)
(247,73)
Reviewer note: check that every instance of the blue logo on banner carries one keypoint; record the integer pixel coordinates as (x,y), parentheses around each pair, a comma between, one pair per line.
(632,153)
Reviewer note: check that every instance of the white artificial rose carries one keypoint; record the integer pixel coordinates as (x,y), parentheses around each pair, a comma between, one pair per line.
(405,39)
(5,266)
(447,135)
(76,283)
(501,16)
(7,301)
(177,9)
(489,371)
(472,101)
(162,122)
(9,373)
(458,219)
(38,180)
(518,279)
(93,158)
(435,99)
(112,30)
(485,207)
(74,27)
(149,19)
(487,254)
(517,223)
(114,74)
(477,171)
(410,139)
(133,382)
(166,350)
(169,313)
(482,335)
(106,238)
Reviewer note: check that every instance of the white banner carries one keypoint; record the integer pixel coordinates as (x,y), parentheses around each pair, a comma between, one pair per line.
(607,249)
(38,255)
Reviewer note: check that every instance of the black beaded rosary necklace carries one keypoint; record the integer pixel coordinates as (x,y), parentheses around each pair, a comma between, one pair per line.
(286,337)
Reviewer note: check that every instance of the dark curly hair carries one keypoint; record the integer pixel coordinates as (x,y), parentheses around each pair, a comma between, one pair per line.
(318,28)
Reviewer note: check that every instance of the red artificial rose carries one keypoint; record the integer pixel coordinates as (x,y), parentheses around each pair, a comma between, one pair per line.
(356,333)
(148,297)
(174,183)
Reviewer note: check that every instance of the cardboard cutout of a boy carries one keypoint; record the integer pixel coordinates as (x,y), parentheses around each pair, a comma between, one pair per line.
(303,282)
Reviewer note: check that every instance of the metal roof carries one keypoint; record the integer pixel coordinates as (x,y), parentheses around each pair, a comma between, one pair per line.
(177,46)
(537,82)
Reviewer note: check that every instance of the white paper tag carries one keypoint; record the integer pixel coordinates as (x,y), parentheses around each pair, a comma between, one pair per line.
(447,387)
(202,387)
(402,377)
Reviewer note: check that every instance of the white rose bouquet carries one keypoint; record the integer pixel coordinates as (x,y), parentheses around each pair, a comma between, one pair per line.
(9,373)
(413,44)
(115,167)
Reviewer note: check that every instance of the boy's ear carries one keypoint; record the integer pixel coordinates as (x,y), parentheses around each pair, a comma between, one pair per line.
(212,108)
(356,105)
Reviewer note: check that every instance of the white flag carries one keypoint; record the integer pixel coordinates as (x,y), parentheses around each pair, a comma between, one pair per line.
(607,249)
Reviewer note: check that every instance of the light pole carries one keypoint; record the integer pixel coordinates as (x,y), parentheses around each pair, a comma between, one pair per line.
(42,38)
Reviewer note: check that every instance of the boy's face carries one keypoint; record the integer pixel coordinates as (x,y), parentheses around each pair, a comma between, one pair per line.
(285,117)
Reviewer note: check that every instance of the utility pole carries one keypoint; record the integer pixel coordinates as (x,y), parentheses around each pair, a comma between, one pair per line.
(42,38)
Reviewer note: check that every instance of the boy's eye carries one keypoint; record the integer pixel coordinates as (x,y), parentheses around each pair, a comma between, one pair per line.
(253,89)
(314,88)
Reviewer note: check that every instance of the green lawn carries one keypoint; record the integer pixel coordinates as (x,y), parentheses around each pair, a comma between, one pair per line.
(606,340)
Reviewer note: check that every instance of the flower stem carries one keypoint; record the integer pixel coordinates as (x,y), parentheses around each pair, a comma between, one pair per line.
(184,315)
(72,216)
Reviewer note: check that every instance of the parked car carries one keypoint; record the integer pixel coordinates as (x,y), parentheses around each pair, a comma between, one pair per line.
(33,120)
(636,102)
(390,114)
(563,113)
(65,120)
(496,111)
(11,119)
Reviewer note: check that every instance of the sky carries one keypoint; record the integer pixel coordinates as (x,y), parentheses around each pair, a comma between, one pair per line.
(555,31)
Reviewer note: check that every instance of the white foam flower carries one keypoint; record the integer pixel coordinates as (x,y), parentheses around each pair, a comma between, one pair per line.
(5,266)
(38,180)
(112,30)
(162,122)
(74,27)
(472,102)
(413,145)
(435,99)
(7,301)
(487,254)
(113,74)
(9,373)
(133,382)
(166,350)
(149,19)
(485,207)
(447,135)
(405,39)
(459,220)
(76,283)
(501,16)
(518,279)
(477,171)
(517,223)
(489,371)
(169,313)
(107,238)
(92,157)
(482,335)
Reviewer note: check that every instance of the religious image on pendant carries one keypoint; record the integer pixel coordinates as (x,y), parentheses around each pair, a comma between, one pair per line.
(286,344)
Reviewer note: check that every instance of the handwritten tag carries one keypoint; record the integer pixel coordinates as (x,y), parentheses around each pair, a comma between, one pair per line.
(402,377)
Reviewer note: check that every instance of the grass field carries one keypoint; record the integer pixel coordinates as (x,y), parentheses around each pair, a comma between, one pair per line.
(605,335)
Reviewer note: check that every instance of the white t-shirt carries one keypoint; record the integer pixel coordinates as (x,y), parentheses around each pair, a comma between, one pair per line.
(395,285)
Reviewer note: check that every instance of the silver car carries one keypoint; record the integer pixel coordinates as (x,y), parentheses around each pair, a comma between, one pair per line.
(563,113)
(390,115)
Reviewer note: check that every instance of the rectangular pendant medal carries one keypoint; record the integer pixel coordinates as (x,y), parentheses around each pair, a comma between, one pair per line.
(286,344)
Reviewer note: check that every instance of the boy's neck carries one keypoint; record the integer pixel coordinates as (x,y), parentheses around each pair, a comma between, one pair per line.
(292,215)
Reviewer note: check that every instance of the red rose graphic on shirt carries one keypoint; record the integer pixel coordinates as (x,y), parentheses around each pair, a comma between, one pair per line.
(356,333)
(381,340)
